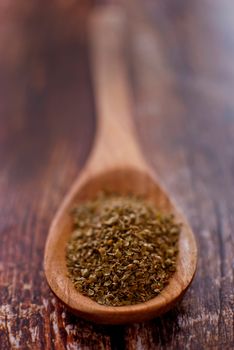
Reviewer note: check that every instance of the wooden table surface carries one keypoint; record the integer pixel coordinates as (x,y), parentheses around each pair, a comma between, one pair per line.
(181,66)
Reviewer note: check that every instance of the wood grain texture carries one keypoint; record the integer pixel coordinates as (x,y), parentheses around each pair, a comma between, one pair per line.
(181,63)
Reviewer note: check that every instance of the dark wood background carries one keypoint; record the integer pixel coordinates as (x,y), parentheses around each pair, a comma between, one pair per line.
(181,65)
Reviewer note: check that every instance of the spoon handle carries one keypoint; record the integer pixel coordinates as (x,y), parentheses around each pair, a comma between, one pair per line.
(115,143)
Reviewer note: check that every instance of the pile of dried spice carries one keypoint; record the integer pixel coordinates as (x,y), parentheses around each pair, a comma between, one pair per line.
(122,251)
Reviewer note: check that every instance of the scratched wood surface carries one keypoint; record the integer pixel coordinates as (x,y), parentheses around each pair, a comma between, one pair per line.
(180,56)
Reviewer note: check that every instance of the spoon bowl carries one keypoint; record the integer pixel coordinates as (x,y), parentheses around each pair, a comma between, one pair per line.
(140,183)
(116,166)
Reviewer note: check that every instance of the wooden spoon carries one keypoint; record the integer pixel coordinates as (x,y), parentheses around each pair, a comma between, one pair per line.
(115,165)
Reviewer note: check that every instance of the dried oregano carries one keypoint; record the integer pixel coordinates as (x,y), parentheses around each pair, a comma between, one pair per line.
(122,251)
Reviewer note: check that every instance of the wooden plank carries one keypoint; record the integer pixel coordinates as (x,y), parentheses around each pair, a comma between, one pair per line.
(181,65)
(47,128)
(184,110)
